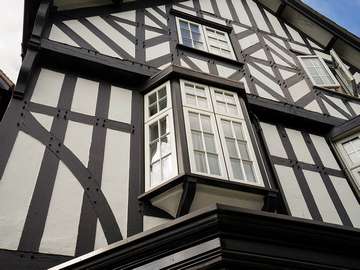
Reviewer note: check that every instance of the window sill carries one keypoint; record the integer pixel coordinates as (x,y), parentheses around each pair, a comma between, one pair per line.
(209,55)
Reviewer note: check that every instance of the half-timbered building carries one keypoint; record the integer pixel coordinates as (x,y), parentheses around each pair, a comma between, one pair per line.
(198,134)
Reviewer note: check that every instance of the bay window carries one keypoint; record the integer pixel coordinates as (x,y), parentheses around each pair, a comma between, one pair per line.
(160,150)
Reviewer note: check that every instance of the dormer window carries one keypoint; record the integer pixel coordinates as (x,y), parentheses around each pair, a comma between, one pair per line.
(204,38)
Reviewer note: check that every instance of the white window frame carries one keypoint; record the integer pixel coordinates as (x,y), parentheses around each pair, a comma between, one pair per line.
(252,157)
(205,37)
(146,101)
(237,103)
(354,169)
(340,66)
(207,95)
(166,112)
(205,29)
(223,172)
(336,83)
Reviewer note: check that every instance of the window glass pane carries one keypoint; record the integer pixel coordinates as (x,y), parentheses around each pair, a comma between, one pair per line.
(164,129)
(190,100)
(236,168)
(219,96)
(154,152)
(243,150)
(230,143)
(165,146)
(249,171)
(356,144)
(200,162)
(197,140)
(210,143)
(202,102)
(154,132)
(162,104)
(213,164)
(162,92)
(221,106)
(355,157)
(206,123)
(194,121)
(152,98)
(153,109)
(200,91)
(238,131)
(155,173)
(229,98)
(232,109)
(227,128)
(166,167)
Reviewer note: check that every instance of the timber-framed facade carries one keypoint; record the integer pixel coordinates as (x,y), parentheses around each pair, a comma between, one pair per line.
(131,115)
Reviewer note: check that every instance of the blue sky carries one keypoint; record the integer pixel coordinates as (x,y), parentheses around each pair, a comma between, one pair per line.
(345,13)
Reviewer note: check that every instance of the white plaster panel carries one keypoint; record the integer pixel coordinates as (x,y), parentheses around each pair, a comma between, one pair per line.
(247,90)
(44,120)
(115,175)
(120,104)
(248,41)
(279,61)
(48,87)
(100,239)
(333,111)
(299,48)
(127,15)
(157,51)
(91,38)
(151,222)
(294,34)
(355,107)
(151,23)
(188,3)
(78,140)
(225,72)
(260,54)
(322,198)
(151,34)
(16,188)
(123,42)
(279,51)
(201,64)
(299,146)
(273,140)
(275,23)
(58,35)
(128,27)
(266,80)
(348,199)
(285,74)
(339,102)
(205,5)
(314,45)
(313,106)
(157,15)
(224,9)
(324,152)
(292,192)
(214,19)
(263,93)
(299,90)
(266,68)
(259,19)
(61,227)
(85,96)
(240,11)
(278,41)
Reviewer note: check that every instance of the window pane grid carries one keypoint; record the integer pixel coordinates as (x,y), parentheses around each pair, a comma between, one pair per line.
(196,96)
(204,148)
(160,151)
(226,103)
(191,35)
(242,166)
(352,149)
(157,101)
(317,71)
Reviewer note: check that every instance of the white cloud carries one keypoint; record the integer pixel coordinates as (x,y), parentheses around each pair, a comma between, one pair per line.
(11,21)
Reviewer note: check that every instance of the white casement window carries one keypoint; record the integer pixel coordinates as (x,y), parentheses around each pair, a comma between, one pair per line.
(204,145)
(160,149)
(226,102)
(218,139)
(204,38)
(157,101)
(196,95)
(318,72)
(349,149)
(343,74)
(219,43)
